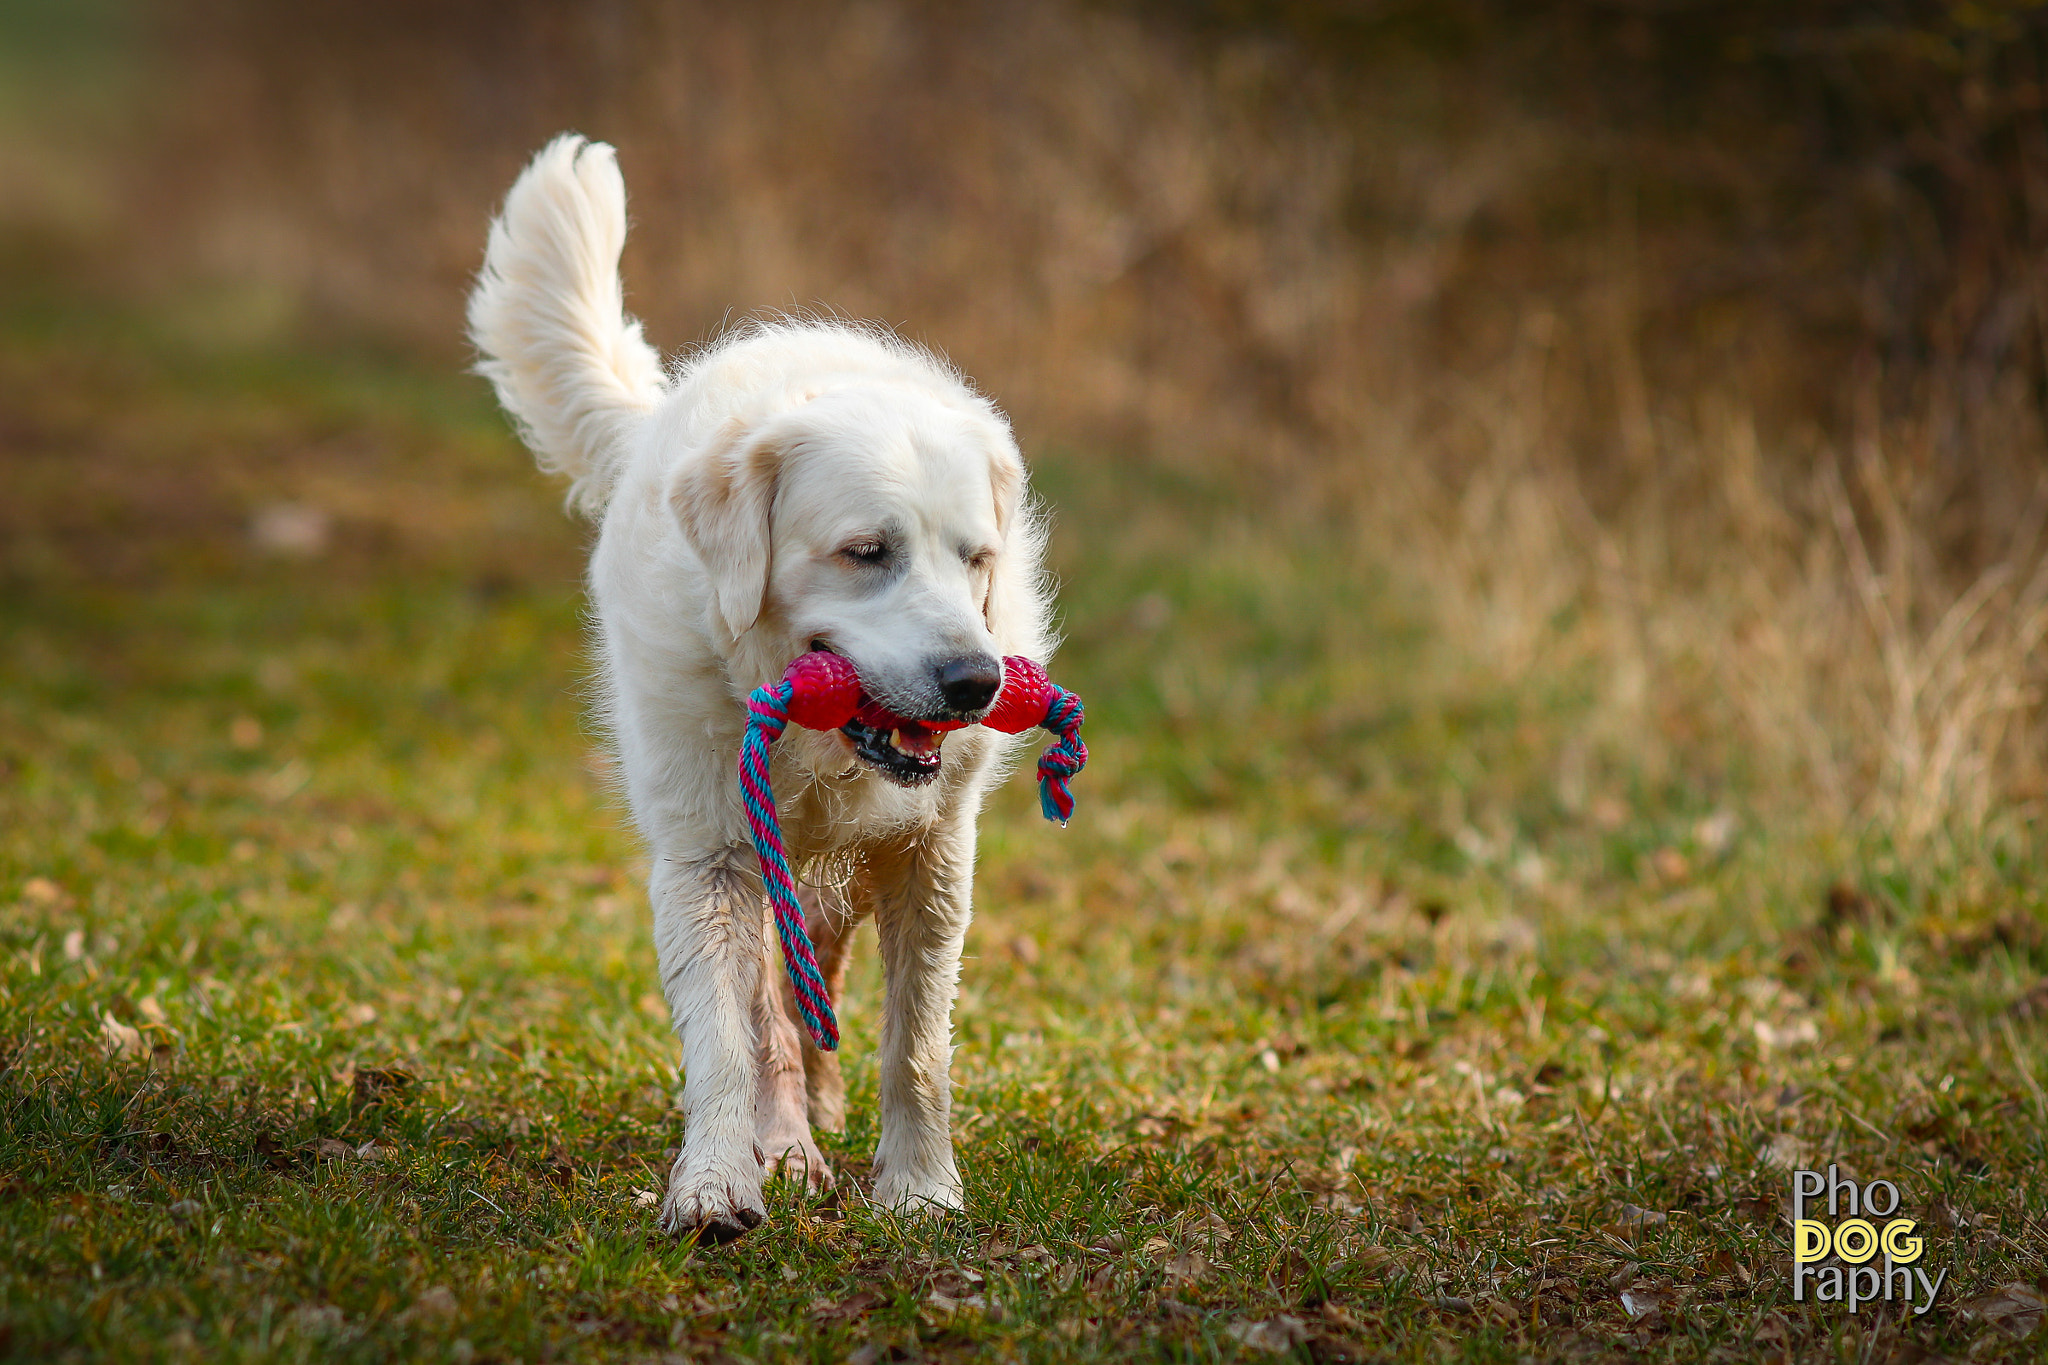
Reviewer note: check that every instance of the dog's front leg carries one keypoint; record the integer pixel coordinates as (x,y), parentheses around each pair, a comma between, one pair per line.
(782,1130)
(832,918)
(922,904)
(708,936)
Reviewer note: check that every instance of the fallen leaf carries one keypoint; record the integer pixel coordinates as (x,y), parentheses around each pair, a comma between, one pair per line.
(286,781)
(1376,1261)
(1645,1301)
(1186,1268)
(1949,1216)
(2015,1309)
(120,1040)
(1716,832)
(42,891)
(1907,1351)
(1634,1221)
(955,1281)
(1783,1150)
(374,1085)
(1670,865)
(437,1303)
(1846,905)
(1772,1331)
(289,530)
(1274,1335)
(824,1310)
(1792,1034)
(333,1149)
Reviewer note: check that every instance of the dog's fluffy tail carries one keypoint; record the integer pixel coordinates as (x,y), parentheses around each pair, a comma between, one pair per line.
(549,319)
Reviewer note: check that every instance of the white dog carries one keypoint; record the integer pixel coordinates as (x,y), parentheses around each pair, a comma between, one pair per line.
(796,486)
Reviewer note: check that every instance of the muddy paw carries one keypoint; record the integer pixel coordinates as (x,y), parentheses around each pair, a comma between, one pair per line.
(935,1192)
(715,1204)
(796,1156)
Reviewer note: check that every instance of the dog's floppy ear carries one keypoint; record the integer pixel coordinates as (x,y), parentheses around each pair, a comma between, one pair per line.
(723,499)
(1015,607)
(1006,477)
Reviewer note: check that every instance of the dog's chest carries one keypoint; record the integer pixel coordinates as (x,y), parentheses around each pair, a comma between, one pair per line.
(828,807)
(831,802)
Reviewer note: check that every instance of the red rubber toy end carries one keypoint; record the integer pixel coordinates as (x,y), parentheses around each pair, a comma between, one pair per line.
(824,690)
(1024,700)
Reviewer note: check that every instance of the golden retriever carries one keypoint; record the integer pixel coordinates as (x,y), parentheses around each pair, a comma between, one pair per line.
(796,485)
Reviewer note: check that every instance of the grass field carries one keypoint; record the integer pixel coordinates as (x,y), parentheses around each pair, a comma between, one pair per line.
(1368,1010)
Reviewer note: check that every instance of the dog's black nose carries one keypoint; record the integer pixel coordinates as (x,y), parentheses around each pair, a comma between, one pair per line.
(970,682)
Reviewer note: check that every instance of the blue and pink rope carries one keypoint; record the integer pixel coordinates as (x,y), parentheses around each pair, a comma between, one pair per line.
(822,691)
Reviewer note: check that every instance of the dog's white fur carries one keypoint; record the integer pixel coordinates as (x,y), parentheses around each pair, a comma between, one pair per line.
(736,494)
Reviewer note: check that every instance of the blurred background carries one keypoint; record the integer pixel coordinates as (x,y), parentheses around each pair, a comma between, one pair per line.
(1689,353)
(1551,508)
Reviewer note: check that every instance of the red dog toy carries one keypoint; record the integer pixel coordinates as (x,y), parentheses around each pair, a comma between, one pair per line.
(822,691)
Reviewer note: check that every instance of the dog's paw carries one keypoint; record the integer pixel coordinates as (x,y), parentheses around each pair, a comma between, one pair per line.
(919,1192)
(795,1155)
(714,1201)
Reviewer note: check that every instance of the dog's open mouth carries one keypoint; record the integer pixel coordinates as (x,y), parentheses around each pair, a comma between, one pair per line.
(907,753)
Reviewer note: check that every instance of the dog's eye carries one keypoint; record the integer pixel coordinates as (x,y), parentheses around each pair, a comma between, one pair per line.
(867,551)
(981,559)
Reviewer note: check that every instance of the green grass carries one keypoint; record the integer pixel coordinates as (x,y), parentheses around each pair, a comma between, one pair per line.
(1365,998)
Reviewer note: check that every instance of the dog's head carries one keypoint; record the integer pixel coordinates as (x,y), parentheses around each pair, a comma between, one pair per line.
(887,523)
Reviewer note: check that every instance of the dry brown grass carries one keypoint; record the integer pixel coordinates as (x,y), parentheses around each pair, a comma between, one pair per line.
(1623,390)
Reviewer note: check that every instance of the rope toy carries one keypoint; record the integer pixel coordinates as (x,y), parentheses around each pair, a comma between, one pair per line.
(822,691)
